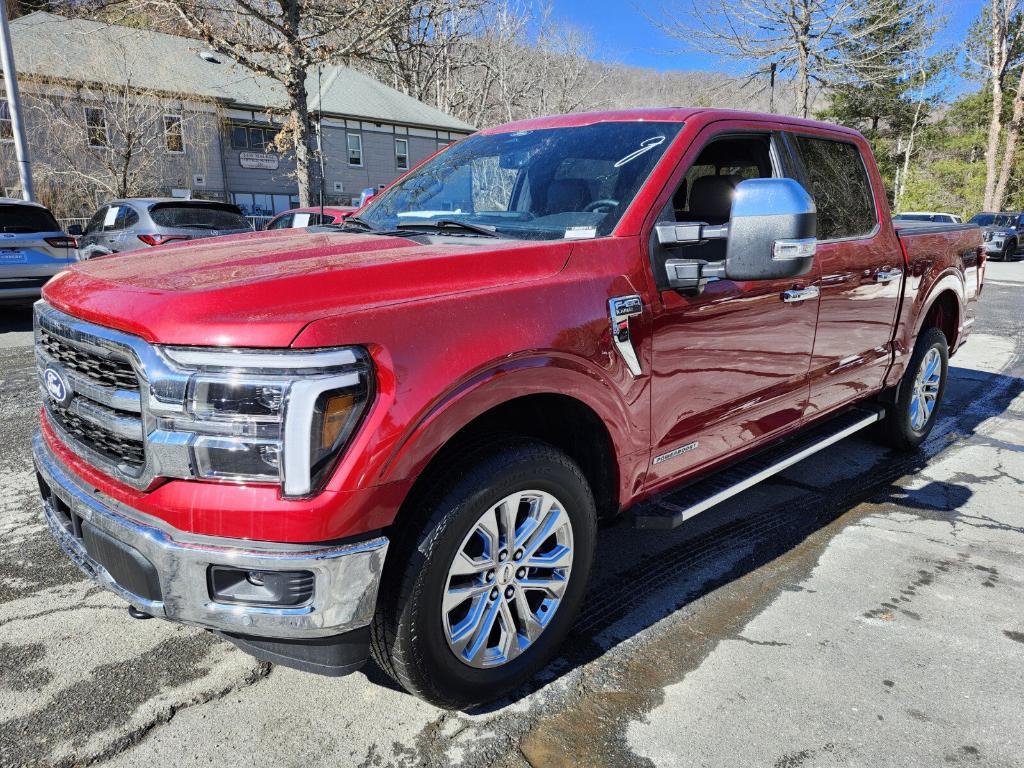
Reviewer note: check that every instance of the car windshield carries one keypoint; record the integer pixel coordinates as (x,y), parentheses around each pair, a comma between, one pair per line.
(542,184)
(915,217)
(198,216)
(983,219)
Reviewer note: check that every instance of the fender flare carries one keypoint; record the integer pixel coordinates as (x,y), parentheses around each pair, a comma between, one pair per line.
(949,280)
(504,381)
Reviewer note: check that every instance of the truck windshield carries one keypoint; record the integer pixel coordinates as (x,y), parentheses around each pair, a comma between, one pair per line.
(543,184)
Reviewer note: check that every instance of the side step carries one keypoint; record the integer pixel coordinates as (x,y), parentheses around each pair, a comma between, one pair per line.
(675,508)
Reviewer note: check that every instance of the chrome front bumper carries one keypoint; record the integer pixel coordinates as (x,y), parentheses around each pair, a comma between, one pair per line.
(346,576)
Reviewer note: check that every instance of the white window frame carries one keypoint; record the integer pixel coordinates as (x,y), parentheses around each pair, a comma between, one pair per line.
(88,130)
(9,121)
(181,130)
(348,149)
(398,154)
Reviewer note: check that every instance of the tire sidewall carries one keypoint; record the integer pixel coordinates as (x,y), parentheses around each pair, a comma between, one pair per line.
(457,512)
(933,338)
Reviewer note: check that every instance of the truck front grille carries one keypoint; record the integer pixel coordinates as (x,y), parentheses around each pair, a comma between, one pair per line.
(103,371)
(120,450)
(103,419)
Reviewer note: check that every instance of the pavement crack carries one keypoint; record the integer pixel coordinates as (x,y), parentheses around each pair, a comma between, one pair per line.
(137,735)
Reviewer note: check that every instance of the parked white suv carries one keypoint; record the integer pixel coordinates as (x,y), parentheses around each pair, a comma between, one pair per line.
(33,248)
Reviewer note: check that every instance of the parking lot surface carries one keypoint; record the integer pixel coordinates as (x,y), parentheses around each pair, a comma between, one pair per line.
(863,608)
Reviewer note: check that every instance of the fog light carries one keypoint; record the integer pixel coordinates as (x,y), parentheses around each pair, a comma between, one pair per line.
(237,586)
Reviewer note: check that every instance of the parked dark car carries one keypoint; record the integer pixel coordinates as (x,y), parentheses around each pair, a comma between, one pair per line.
(1001,232)
(127,225)
(33,248)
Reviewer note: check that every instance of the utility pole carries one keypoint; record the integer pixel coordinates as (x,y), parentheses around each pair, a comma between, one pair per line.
(14,105)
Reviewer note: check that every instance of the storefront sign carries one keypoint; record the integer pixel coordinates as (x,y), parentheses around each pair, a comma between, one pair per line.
(266,160)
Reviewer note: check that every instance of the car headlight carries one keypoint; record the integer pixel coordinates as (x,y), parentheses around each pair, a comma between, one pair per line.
(283,417)
(986,236)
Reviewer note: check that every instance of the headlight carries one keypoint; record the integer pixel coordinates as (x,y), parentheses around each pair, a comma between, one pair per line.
(986,236)
(282,417)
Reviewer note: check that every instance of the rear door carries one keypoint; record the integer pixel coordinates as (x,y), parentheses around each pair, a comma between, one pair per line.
(861,271)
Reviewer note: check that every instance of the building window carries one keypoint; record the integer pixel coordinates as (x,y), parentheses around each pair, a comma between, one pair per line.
(402,154)
(96,127)
(355,149)
(6,126)
(174,137)
(239,137)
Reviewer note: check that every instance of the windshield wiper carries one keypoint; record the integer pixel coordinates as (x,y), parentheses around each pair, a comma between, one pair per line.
(477,229)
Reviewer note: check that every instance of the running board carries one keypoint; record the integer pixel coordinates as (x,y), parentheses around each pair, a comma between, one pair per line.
(675,508)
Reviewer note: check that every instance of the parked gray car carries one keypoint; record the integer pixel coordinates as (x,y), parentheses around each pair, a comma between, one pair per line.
(127,225)
(33,248)
(1001,233)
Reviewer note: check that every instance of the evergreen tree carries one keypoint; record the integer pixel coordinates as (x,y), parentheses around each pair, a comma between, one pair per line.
(884,97)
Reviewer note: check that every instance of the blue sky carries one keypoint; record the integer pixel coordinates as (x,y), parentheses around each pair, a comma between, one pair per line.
(623,34)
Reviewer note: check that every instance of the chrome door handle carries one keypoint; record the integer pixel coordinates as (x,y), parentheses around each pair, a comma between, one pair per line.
(885,275)
(800,294)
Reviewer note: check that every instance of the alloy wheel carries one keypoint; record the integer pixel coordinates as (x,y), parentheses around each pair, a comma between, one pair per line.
(507,579)
(926,389)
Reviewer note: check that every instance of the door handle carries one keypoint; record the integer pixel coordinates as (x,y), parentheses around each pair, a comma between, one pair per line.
(620,310)
(886,274)
(794,295)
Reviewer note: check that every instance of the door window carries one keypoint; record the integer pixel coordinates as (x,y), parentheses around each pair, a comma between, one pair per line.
(96,222)
(838,182)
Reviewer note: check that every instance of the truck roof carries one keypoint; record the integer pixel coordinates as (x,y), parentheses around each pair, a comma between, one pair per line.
(660,114)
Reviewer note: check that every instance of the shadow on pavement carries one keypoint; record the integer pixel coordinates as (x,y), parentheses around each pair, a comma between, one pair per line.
(735,539)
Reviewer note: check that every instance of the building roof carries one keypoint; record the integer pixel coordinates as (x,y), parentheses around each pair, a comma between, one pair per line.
(51,46)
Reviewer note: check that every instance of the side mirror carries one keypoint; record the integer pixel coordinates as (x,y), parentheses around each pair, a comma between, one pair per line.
(770,235)
(75,230)
(771,231)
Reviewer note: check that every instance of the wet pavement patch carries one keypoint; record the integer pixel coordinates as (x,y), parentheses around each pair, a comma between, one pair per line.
(104,701)
(19,670)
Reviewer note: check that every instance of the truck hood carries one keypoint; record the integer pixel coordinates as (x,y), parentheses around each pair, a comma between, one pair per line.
(261,289)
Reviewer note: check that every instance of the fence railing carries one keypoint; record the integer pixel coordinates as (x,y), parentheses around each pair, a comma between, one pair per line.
(65,223)
(259,222)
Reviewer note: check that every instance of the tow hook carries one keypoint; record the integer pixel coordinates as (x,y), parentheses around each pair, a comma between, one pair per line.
(135,613)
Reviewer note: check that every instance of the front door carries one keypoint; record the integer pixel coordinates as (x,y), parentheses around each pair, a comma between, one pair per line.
(731,363)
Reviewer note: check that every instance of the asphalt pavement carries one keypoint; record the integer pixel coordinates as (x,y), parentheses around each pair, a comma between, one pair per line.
(865,608)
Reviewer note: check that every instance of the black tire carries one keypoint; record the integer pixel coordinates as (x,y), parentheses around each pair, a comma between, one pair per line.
(407,637)
(1008,250)
(896,430)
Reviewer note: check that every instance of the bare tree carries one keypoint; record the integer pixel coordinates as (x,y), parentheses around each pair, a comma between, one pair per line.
(1005,36)
(802,39)
(285,40)
(101,140)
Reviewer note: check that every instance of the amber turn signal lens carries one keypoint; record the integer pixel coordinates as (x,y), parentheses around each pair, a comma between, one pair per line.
(336,414)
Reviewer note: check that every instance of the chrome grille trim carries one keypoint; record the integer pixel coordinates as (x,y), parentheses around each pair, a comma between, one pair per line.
(101,401)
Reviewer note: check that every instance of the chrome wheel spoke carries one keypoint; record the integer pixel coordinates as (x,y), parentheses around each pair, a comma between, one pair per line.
(552,586)
(456,596)
(518,554)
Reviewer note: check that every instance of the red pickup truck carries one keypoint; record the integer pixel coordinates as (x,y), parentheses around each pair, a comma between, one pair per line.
(397,435)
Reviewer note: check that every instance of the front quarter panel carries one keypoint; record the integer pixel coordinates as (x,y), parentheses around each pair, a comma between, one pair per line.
(444,361)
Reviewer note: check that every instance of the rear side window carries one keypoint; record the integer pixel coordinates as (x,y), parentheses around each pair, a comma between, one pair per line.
(192,216)
(839,185)
(26,218)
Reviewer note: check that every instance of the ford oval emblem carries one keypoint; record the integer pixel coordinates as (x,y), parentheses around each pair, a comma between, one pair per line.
(57,386)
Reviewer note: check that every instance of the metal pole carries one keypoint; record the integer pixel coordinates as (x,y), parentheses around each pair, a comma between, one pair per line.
(14,105)
(319,132)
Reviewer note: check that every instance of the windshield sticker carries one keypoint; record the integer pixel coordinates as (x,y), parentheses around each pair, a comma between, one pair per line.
(580,233)
(645,146)
(301,220)
(111,217)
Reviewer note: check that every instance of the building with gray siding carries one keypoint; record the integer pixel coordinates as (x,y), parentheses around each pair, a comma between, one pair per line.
(369,133)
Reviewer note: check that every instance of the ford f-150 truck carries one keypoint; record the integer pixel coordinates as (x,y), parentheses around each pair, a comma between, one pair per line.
(397,435)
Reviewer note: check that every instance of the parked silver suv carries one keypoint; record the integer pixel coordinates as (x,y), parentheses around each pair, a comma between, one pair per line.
(33,248)
(126,225)
(1001,233)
